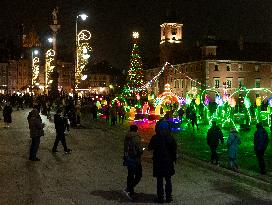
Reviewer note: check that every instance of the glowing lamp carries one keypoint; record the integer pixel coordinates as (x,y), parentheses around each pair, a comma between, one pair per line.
(197,100)
(247,102)
(219,101)
(270,101)
(138,97)
(232,102)
(188,100)
(258,101)
(83,16)
(206,101)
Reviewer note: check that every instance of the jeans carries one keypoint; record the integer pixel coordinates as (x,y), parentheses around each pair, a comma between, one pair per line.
(60,137)
(134,177)
(34,147)
(168,187)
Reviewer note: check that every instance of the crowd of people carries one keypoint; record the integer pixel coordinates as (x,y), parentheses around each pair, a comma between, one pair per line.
(67,113)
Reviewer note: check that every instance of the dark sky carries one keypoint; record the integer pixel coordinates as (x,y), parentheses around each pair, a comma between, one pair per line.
(112,21)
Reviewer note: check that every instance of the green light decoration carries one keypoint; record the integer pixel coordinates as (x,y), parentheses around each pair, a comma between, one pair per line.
(135,84)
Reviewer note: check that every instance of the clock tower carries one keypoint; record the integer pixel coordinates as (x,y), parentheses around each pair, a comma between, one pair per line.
(171,44)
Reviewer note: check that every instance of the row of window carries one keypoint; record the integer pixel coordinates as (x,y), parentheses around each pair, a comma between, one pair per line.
(240,68)
(229,82)
(183,83)
(193,68)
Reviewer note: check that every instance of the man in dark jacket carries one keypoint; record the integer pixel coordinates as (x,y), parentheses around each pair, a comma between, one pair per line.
(164,148)
(132,159)
(61,124)
(260,145)
(36,131)
(213,136)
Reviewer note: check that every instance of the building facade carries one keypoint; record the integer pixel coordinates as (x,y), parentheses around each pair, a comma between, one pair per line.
(223,67)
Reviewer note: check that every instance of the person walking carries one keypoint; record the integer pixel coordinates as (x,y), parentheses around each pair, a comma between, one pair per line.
(132,159)
(260,145)
(36,131)
(164,148)
(193,118)
(233,142)
(7,114)
(61,124)
(213,136)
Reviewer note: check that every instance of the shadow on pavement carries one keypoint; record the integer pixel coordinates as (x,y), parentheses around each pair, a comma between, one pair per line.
(243,195)
(121,198)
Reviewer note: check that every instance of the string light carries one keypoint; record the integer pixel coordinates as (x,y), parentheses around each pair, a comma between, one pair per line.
(49,58)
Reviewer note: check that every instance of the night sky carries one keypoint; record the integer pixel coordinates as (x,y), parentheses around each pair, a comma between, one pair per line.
(111,23)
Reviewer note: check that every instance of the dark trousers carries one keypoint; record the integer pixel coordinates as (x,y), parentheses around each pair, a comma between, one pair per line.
(260,157)
(134,177)
(60,137)
(34,147)
(168,187)
(214,155)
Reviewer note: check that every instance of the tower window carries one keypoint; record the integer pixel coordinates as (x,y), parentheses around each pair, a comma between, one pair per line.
(174,31)
(228,68)
(216,68)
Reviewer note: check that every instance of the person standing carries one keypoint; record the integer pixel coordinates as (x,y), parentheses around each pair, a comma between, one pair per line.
(164,148)
(213,136)
(36,131)
(260,145)
(7,114)
(233,142)
(132,159)
(61,124)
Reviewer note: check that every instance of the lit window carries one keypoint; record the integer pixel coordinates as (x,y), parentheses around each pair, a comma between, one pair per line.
(174,31)
(257,68)
(216,82)
(229,82)
(240,67)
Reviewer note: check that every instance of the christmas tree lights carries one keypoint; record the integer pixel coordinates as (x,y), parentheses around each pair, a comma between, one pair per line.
(135,80)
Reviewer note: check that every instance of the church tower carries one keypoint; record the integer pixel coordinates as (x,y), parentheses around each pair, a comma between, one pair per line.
(171,44)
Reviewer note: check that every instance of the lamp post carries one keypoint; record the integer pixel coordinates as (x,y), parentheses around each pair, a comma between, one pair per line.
(83,18)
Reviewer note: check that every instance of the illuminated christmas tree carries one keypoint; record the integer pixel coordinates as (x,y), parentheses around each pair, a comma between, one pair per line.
(135,86)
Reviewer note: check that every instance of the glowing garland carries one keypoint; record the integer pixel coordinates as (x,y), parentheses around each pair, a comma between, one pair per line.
(35,70)
(83,49)
(49,58)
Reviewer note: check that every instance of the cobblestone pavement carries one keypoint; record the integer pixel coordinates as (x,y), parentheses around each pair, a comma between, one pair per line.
(93,173)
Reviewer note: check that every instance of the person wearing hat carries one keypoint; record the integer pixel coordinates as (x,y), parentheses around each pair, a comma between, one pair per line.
(164,148)
(233,142)
(213,136)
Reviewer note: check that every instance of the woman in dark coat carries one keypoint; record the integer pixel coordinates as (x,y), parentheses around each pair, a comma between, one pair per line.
(164,148)
(7,114)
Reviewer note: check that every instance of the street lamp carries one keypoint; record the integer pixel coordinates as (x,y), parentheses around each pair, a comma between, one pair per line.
(83,17)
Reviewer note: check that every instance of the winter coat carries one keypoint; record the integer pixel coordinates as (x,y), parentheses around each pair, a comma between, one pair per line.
(61,124)
(233,142)
(35,124)
(164,155)
(132,146)
(214,135)
(7,114)
(260,139)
